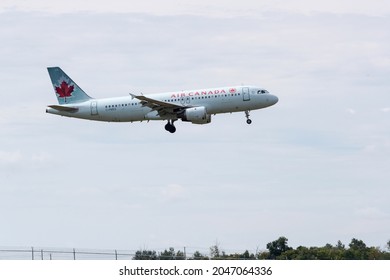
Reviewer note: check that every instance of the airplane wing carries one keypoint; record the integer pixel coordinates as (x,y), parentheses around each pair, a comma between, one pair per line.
(163,108)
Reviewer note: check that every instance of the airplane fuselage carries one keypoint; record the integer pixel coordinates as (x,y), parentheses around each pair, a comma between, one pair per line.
(130,109)
(195,106)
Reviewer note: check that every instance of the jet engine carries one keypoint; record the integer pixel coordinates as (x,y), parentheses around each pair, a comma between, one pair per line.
(196,115)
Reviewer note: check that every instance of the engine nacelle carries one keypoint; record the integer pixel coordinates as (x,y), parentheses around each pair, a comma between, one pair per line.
(196,115)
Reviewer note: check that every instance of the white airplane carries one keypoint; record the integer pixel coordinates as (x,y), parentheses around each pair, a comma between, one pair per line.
(195,106)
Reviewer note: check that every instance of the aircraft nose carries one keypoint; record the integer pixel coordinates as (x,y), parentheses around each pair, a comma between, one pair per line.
(273,100)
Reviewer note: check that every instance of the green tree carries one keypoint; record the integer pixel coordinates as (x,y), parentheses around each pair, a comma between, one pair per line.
(330,252)
(247,256)
(277,247)
(357,250)
(180,255)
(236,256)
(145,255)
(340,245)
(168,254)
(374,253)
(263,255)
(215,252)
(301,253)
(198,256)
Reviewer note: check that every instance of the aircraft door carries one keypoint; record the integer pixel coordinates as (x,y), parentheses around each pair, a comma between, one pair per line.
(245,94)
(94,110)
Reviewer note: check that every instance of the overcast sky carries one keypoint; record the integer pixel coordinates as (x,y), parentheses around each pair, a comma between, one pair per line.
(315,167)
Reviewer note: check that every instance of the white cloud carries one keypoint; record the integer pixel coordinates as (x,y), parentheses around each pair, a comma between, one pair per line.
(304,153)
(372,213)
(20,158)
(216,8)
(173,192)
(7,157)
(41,157)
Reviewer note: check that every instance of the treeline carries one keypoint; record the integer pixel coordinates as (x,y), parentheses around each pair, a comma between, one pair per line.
(279,250)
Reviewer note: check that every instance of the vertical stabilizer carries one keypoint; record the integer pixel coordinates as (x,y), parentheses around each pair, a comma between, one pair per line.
(66,90)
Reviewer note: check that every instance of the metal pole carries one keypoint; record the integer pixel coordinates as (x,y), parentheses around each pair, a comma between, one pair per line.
(32,253)
(41,254)
(74,254)
(116,255)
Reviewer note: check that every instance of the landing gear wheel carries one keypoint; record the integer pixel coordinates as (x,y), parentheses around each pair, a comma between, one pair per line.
(170,127)
(248,120)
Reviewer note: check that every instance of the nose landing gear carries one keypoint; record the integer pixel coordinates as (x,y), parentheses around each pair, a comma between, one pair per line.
(248,120)
(170,127)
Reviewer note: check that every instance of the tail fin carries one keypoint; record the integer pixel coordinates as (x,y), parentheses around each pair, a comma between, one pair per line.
(67,91)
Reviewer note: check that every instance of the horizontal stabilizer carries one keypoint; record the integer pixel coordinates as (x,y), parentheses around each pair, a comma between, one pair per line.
(64,108)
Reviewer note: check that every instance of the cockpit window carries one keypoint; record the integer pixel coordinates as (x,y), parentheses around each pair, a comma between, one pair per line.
(262,91)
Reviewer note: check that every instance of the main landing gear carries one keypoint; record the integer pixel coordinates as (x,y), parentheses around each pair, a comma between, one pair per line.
(248,120)
(170,127)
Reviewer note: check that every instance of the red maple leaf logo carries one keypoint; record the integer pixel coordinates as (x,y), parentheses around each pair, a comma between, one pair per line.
(64,90)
